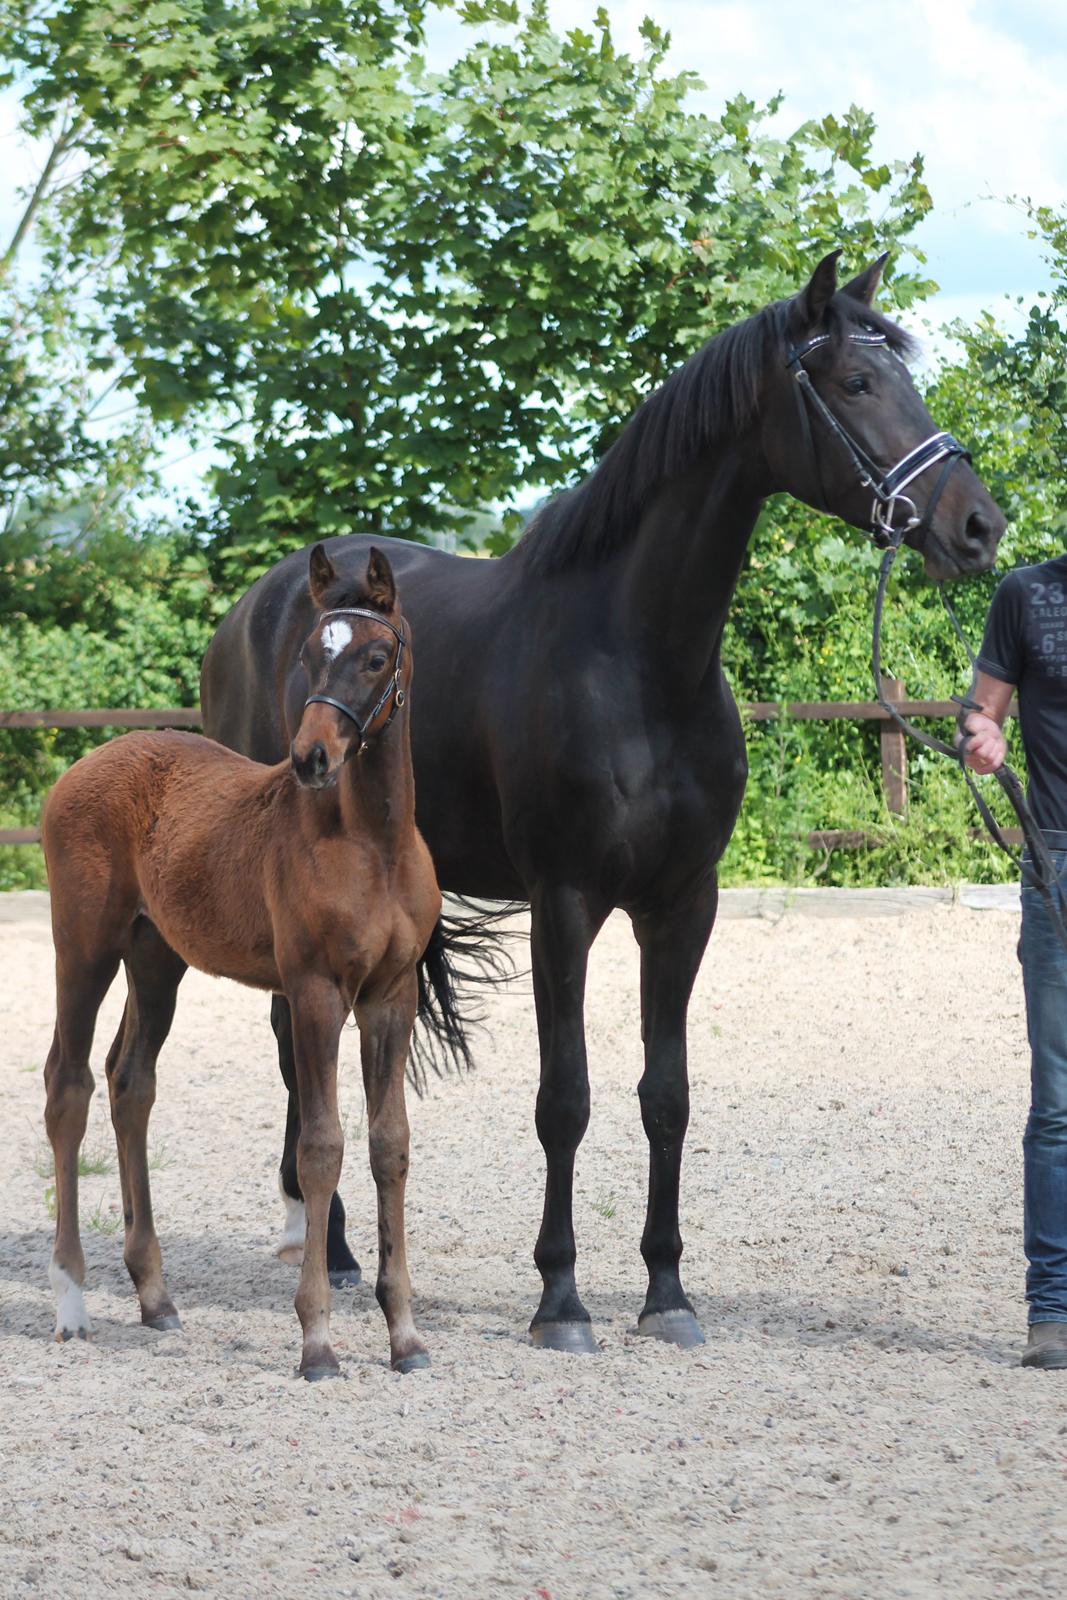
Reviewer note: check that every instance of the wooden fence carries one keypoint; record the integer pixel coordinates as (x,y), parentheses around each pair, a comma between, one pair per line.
(894,743)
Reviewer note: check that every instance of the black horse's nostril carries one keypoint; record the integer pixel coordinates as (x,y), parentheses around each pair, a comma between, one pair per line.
(317,760)
(979,530)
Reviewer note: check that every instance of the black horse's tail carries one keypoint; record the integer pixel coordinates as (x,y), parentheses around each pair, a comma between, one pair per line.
(468,947)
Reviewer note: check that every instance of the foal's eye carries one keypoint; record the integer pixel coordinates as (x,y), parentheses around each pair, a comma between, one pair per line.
(857,384)
(375,664)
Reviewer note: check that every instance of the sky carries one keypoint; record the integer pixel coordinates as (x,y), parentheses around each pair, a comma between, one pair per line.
(978,86)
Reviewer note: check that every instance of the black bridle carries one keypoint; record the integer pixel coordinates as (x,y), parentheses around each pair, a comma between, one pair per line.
(885,483)
(886,486)
(393,687)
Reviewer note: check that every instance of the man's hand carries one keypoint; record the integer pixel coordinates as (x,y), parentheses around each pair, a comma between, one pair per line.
(987,748)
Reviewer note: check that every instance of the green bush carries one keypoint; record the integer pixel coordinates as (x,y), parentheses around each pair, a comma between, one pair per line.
(153,619)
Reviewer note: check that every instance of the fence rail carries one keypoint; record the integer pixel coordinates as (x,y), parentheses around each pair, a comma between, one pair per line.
(894,744)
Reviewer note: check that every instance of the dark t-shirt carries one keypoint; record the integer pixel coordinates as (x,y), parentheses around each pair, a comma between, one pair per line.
(1025,643)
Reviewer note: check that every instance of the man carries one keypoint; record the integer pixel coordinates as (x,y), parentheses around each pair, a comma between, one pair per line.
(1025,649)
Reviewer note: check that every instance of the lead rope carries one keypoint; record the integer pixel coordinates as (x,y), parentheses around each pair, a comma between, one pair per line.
(1040,870)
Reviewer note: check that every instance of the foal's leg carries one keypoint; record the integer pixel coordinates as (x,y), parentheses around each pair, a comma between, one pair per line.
(672,944)
(563,928)
(153,972)
(343,1266)
(318,1015)
(80,987)
(385,1038)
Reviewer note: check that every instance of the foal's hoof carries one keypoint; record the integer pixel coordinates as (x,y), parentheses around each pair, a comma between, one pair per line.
(163,1322)
(415,1362)
(291,1254)
(575,1338)
(671,1327)
(317,1374)
(346,1277)
(65,1334)
(324,1364)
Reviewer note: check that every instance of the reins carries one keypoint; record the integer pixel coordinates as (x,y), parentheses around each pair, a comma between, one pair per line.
(886,489)
(1040,869)
(393,687)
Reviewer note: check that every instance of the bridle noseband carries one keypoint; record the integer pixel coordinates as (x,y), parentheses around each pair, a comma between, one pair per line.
(886,484)
(393,687)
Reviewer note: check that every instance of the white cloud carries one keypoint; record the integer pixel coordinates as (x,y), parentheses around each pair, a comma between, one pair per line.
(976,87)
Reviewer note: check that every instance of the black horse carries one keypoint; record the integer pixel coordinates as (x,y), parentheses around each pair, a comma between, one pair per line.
(576,744)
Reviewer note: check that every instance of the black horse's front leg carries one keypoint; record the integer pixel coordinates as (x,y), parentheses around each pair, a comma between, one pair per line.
(343,1267)
(672,943)
(563,927)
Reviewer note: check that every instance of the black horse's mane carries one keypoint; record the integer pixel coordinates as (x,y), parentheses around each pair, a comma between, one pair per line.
(714,395)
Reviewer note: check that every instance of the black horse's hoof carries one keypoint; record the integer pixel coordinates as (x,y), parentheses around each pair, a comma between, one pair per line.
(165,1322)
(680,1328)
(418,1361)
(574,1338)
(346,1277)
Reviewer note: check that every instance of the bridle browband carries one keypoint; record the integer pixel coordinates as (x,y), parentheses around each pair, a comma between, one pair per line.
(885,483)
(393,687)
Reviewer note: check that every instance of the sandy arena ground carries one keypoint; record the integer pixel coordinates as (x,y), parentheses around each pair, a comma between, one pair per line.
(856,1427)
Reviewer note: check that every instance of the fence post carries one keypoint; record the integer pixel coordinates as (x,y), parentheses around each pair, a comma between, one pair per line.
(894,755)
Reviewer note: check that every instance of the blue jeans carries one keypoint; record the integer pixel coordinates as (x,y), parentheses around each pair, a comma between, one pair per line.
(1044,963)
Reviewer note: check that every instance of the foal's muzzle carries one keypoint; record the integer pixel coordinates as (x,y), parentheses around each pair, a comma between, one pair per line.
(311,768)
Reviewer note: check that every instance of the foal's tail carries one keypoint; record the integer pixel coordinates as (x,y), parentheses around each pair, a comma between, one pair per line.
(465,949)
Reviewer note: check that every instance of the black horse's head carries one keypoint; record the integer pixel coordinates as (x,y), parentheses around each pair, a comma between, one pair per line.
(357,669)
(844,429)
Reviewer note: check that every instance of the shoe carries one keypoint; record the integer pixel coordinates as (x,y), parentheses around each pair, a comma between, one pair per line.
(1047,1346)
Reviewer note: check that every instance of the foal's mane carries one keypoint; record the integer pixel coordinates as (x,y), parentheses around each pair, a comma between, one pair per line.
(715,395)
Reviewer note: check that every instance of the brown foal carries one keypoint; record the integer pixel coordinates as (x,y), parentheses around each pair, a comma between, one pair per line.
(309,879)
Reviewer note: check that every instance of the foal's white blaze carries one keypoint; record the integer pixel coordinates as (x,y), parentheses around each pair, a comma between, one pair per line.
(291,1244)
(71,1315)
(335,636)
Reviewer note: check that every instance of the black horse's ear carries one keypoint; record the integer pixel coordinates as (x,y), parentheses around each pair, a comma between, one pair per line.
(321,573)
(809,307)
(380,584)
(864,287)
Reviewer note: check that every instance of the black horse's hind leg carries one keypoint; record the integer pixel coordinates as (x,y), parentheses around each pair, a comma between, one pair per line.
(343,1267)
(672,944)
(563,928)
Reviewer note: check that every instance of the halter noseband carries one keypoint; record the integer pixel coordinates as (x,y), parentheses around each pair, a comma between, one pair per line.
(886,484)
(392,687)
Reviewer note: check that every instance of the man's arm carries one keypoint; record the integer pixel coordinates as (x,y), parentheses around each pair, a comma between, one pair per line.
(987,748)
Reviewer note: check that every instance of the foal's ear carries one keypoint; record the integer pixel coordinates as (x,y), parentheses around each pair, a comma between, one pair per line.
(321,573)
(864,287)
(380,584)
(809,307)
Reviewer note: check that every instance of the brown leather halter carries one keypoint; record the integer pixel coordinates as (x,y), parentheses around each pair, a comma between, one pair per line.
(393,687)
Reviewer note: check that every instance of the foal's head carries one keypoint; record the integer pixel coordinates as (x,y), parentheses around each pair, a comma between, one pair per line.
(358,664)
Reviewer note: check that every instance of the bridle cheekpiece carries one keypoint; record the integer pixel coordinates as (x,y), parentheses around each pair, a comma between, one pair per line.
(393,687)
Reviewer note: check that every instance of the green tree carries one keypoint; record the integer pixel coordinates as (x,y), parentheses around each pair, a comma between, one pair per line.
(408,296)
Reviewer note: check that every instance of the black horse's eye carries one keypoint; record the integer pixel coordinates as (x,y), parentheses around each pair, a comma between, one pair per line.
(376,663)
(857,384)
